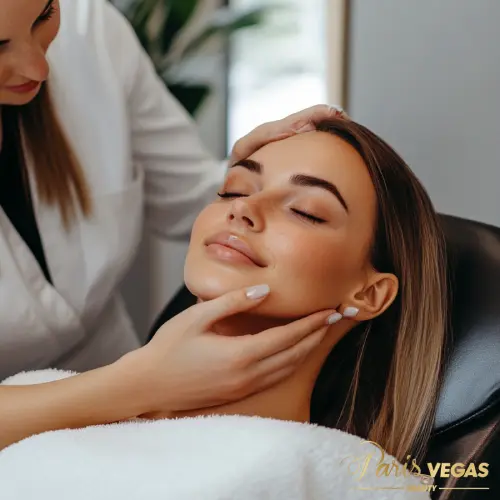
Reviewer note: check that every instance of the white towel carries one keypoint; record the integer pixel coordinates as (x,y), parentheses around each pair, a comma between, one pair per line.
(202,458)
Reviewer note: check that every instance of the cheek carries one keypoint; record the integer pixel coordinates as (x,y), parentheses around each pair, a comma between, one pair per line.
(209,217)
(313,270)
(203,278)
(49,32)
(310,268)
(5,72)
(48,36)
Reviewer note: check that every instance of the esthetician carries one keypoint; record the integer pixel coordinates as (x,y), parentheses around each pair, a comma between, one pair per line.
(79,171)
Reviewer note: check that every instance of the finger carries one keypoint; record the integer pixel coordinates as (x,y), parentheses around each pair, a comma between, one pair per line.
(314,115)
(286,362)
(274,340)
(259,137)
(340,112)
(231,303)
(302,121)
(273,378)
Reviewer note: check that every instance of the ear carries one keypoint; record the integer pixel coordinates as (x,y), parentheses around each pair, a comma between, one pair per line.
(376,295)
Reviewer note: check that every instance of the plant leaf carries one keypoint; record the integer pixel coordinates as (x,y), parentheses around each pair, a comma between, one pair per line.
(225,26)
(177,16)
(191,96)
(139,13)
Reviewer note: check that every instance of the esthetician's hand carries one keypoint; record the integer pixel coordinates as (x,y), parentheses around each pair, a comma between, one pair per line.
(297,123)
(186,366)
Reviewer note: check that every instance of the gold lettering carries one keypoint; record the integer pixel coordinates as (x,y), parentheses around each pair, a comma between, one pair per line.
(415,469)
(395,467)
(483,467)
(405,465)
(457,470)
(381,462)
(471,471)
(382,451)
(383,469)
(433,469)
(445,469)
(357,466)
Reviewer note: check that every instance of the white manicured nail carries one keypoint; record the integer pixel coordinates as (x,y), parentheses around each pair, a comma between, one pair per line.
(350,312)
(333,318)
(338,111)
(257,292)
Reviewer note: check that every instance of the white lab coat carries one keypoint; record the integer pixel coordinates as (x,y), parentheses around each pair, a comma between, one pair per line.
(143,162)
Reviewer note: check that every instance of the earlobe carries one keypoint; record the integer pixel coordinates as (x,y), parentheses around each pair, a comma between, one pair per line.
(376,297)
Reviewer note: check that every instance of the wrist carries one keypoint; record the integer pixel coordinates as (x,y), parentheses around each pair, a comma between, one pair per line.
(148,386)
(131,376)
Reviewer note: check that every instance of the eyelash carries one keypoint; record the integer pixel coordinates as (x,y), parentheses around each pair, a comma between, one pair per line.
(304,215)
(46,15)
(42,19)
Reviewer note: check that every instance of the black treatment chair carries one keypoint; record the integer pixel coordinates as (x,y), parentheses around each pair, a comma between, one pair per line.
(467,423)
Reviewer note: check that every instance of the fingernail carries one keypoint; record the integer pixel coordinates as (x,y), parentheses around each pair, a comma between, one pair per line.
(338,110)
(333,318)
(350,312)
(257,291)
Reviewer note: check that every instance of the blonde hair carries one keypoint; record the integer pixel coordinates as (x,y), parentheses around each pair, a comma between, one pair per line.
(403,347)
(59,177)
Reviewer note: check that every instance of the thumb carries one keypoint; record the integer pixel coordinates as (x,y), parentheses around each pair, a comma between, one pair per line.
(232,303)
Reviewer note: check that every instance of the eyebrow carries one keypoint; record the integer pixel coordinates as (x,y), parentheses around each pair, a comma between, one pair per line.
(47,5)
(298,180)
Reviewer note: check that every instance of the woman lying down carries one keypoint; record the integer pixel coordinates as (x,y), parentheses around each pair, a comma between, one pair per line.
(326,219)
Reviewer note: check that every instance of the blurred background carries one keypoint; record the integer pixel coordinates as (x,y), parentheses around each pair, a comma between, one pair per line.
(423,74)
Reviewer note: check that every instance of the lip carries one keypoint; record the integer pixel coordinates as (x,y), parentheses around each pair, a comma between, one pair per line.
(236,244)
(24,88)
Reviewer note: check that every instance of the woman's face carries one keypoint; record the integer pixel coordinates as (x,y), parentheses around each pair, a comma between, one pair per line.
(27,28)
(298,215)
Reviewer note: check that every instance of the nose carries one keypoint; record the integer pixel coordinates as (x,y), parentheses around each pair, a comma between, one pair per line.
(243,212)
(31,63)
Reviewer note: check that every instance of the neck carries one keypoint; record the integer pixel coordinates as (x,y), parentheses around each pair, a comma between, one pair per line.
(287,400)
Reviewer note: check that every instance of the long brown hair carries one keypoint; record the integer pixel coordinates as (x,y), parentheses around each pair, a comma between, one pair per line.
(59,177)
(391,367)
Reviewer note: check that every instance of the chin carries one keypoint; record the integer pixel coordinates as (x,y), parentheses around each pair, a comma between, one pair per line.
(19,99)
(208,279)
(208,283)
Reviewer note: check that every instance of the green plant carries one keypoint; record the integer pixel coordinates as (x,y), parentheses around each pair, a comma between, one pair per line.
(158,23)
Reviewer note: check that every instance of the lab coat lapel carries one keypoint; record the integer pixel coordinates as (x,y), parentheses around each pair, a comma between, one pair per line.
(63,253)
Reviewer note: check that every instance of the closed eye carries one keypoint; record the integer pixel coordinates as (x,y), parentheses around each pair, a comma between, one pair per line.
(47,13)
(231,195)
(305,215)
(300,213)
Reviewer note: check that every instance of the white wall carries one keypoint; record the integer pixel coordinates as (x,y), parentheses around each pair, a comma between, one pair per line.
(425,75)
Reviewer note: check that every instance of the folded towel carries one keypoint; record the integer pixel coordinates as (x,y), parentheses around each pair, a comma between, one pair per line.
(201,458)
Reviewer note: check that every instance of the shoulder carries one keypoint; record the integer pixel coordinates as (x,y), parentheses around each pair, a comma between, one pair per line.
(96,29)
(90,19)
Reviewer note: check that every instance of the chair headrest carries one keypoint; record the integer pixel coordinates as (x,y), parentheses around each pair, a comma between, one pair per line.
(472,377)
